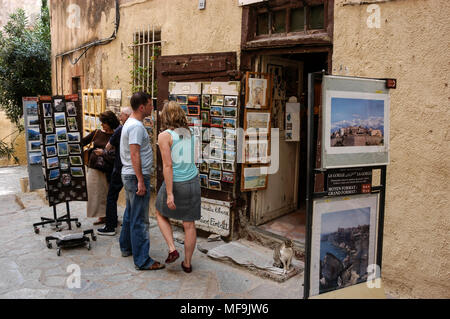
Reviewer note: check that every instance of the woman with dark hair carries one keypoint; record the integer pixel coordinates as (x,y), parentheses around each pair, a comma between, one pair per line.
(99,166)
(179,196)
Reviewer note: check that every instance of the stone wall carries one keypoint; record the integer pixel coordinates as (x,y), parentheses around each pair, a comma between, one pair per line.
(411,45)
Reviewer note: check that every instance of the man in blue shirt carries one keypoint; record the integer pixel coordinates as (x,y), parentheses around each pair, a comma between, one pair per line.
(137,158)
(115,184)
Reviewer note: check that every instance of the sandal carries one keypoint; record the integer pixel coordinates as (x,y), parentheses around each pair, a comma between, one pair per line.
(187,270)
(156,266)
(174,255)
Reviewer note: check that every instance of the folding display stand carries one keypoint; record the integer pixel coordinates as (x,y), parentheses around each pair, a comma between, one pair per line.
(71,240)
(57,221)
(312,195)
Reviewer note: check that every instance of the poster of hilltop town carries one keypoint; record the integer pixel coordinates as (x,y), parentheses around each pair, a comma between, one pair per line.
(356,123)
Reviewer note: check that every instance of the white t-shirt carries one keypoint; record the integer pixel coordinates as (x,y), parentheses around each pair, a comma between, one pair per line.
(134,133)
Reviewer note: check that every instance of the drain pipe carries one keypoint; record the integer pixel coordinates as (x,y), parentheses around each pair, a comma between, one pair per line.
(86,47)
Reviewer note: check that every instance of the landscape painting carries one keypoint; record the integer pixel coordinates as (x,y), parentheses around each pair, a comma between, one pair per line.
(357,122)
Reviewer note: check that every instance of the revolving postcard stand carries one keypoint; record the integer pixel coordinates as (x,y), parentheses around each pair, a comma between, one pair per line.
(348,143)
(62,163)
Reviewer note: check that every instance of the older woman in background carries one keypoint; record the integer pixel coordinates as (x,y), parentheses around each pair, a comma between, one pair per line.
(179,196)
(99,167)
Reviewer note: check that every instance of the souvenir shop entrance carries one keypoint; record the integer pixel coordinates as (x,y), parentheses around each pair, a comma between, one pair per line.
(280,210)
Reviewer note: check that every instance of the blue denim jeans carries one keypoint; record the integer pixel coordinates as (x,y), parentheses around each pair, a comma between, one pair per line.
(134,237)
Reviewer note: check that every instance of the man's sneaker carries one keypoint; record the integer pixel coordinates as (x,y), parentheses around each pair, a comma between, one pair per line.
(106,231)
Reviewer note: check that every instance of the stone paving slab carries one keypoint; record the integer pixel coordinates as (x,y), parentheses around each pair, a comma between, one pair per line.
(28,269)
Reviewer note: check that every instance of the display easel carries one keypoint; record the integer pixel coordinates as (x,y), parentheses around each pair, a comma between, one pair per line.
(57,221)
(312,194)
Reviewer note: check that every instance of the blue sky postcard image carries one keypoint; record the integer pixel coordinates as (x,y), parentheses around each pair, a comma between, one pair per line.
(357,122)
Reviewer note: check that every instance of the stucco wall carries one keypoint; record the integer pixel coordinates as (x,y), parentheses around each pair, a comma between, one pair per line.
(411,45)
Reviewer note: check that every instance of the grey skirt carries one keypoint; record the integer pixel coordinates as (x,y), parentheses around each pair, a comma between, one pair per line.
(187,200)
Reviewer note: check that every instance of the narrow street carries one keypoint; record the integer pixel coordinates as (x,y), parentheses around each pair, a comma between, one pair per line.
(30,270)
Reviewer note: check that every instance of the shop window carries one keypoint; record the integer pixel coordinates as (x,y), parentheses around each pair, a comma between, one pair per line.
(279,21)
(316,17)
(298,20)
(263,24)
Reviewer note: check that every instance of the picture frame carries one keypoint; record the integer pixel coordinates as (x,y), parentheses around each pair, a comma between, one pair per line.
(206,119)
(193,110)
(60,119)
(51,151)
(47,109)
(34,146)
(31,108)
(258,91)
(72,124)
(217,100)
(204,167)
(74,137)
(64,164)
(254,178)
(33,120)
(231,101)
(206,102)
(52,162)
(228,177)
(215,175)
(61,134)
(54,174)
(50,139)
(215,185)
(216,132)
(216,111)
(213,164)
(344,259)
(74,149)
(257,123)
(204,181)
(185,108)
(77,172)
(76,161)
(33,134)
(193,120)
(71,109)
(194,100)
(251,151)
(355,127)
(63,149)
(35,158)
(230,112)
(229,167)
(216,122)
(48,125)
(60,105)
(182,99)
(229,123)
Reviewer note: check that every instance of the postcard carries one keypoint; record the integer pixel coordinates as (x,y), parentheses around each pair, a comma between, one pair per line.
(35,158)
(63,149)
(76,161)
(185,108)
(217,100)
(193,110)
(228,177)
(216,122)
(74,137)
(215,175)
(194,100)
(60,106)
(182,99)
(33,120)
(231,100)
(206,102)
(61,134)
(54,174)
(51,151)
(215,185)
(72,123)
(64,164)
(229,123)
(33,134)
(230,112)
(60,119)
(48,110)
(216,132)
(32,108)
(204,181)
(52,162)
(205,118)
(77,171)
(74,149)
(228,166)
(215,165)
(71,109)
(216,153)
(216,111)
(34,146)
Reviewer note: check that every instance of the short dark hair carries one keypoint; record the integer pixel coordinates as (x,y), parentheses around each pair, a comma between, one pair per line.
(138,99)
(110,118)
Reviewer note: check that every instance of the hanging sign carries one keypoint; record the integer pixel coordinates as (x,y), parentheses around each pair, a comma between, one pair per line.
(349,181)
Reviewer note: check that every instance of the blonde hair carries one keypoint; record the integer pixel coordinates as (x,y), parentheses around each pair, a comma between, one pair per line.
(173,116)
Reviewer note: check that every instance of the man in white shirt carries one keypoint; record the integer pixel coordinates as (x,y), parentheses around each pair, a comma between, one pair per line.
(137,158)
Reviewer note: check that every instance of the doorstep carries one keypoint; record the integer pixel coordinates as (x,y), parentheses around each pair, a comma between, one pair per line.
(250,256)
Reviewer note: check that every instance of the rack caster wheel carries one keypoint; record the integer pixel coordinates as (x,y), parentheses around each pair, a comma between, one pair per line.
(58,252)
(78,224)
(88,246)
(49,246)
(94,238)
(36,230)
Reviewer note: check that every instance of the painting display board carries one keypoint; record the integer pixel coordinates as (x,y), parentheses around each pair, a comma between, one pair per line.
(345,215)
(94,103)
(33,142)
(344,239)
(355,127)
(212,111)
(62,160)
(257,127)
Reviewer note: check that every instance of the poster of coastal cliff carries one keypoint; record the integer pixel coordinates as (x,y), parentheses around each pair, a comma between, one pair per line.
(344,242)
(356,122)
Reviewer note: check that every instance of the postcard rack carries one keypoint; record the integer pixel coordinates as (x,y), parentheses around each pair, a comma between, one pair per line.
(316,195)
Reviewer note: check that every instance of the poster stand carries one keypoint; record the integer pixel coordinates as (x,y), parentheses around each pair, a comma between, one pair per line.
(312,194)
(57,221)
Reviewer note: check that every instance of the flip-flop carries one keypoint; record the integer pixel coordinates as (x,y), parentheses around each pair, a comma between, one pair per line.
(156,266)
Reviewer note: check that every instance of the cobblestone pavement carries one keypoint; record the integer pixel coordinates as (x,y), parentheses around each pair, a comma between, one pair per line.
(28,269)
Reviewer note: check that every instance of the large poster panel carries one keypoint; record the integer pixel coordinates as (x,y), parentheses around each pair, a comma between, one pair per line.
(355,127)
(344,240)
